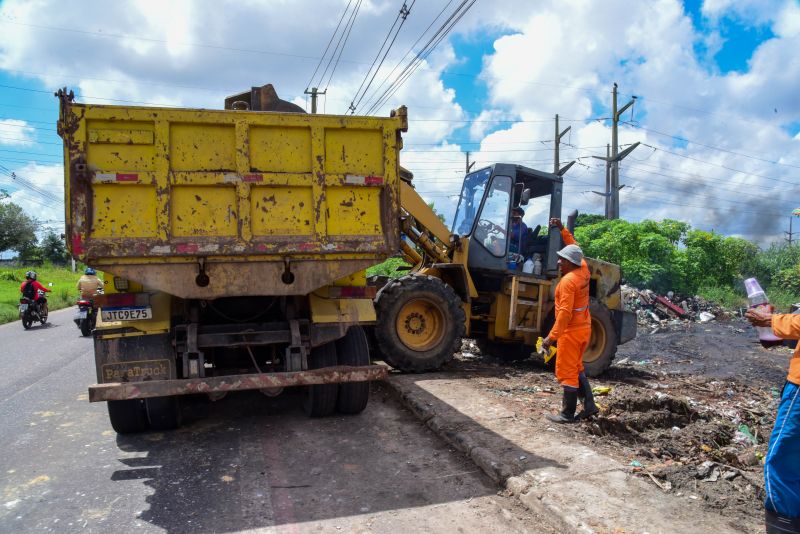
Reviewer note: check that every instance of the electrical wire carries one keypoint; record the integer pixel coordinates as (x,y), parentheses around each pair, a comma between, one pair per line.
(321,59)
(402,16)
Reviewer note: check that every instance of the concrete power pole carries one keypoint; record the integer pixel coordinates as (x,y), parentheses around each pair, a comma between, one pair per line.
(789,234)
(556,158)
(612,161)
(606,194)
(314,93)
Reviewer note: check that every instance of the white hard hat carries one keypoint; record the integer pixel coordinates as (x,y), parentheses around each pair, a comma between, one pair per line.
(572,253)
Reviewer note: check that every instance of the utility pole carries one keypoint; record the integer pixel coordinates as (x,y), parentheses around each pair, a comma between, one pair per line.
(607,193)
(556,160)
(616,157)
(789,233)
(469,165)
(314,93)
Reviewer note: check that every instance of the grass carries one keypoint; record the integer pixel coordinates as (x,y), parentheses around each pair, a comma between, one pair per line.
(724,296)
(63,291)
(732,299)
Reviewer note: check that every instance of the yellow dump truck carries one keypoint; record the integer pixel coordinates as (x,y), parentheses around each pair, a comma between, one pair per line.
(235,244)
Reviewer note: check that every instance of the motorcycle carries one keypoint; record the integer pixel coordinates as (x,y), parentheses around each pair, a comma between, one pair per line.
(33,310)
(86,318)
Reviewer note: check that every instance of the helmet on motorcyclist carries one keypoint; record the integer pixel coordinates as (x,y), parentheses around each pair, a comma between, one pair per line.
(89,271)
(30,275)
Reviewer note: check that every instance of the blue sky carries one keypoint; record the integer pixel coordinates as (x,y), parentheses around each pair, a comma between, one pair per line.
(717,114)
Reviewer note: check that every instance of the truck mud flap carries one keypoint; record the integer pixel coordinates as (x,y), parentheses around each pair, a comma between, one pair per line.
(219,384)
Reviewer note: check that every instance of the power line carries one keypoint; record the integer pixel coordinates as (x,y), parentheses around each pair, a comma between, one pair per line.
(411,49)
(321,59)
(412,66)
(401,17)
(341,44)
(712,147)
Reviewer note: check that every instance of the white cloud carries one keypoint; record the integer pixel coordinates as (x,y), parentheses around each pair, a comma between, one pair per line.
(554,56)
(33,191)
(16,132)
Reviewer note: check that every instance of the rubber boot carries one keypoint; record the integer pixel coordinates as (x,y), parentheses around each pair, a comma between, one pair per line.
(569,402)
(778,524)
(590,409)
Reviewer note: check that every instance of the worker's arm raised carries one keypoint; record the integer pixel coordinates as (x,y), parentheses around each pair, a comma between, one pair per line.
(565,234)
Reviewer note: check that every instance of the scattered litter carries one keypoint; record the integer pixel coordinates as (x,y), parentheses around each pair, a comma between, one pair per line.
(746,431)
(636,463)
(601,390)
(705,317)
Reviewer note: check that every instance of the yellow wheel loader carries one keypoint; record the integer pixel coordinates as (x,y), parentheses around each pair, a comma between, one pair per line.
(468,280)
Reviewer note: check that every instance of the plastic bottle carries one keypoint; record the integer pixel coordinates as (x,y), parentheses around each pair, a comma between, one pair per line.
(527,267)
(537,264)
(758,300)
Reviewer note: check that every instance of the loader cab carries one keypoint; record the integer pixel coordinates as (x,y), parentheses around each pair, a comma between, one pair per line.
(483,217)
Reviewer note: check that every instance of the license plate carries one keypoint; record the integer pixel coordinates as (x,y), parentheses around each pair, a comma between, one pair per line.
(23,307)
(139,313)
(81,315)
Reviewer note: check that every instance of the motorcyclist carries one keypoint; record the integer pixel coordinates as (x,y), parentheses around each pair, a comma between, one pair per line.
(30,288)
(89,284)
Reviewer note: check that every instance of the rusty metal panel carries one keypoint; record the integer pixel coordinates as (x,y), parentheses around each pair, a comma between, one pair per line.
(157,194)
(162,388)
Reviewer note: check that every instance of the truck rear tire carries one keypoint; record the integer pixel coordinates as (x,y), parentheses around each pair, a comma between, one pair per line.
(353,350)
(420,323)
(507,352)
(320,399)
(163,413)
(127,416)
(602,344)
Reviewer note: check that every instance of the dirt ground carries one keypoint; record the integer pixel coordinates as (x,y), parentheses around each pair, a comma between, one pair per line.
(690,408)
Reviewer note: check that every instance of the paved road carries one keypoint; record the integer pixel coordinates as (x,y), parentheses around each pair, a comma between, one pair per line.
(245,462)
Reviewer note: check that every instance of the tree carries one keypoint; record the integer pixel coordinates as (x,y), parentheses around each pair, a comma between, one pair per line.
(585,219)
(17,230)
(53,249)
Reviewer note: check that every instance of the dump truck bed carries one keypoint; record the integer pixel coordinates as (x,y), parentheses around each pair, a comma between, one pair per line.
(261,203)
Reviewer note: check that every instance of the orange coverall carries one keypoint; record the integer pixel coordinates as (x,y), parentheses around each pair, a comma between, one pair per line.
(573,326)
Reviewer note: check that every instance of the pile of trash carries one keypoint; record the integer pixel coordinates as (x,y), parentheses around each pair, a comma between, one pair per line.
(671,310)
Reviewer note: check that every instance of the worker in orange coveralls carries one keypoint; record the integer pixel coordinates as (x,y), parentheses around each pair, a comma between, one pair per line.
(572,330)
(782,463)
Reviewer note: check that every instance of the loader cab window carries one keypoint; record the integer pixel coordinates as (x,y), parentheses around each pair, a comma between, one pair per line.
(492,227)
(471,196)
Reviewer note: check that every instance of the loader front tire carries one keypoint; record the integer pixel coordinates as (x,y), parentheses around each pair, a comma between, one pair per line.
(420,323)
(602,344)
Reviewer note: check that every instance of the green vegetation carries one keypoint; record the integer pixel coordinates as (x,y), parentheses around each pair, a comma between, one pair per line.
(669,255)
(388,268)
(63,292)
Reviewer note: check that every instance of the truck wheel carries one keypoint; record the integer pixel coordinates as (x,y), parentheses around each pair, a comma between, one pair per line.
(127,416)
(353,350)
(163,413)
(603,344)
(320,399)
(86,328)
(508,352)
(420,323)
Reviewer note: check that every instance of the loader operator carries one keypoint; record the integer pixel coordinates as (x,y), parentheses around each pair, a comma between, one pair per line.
(781,465)
(572,330)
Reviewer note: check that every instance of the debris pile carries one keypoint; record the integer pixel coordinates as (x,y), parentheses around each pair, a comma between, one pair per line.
(670,310)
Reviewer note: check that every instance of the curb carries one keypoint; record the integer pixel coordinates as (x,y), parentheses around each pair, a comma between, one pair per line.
(487,461)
